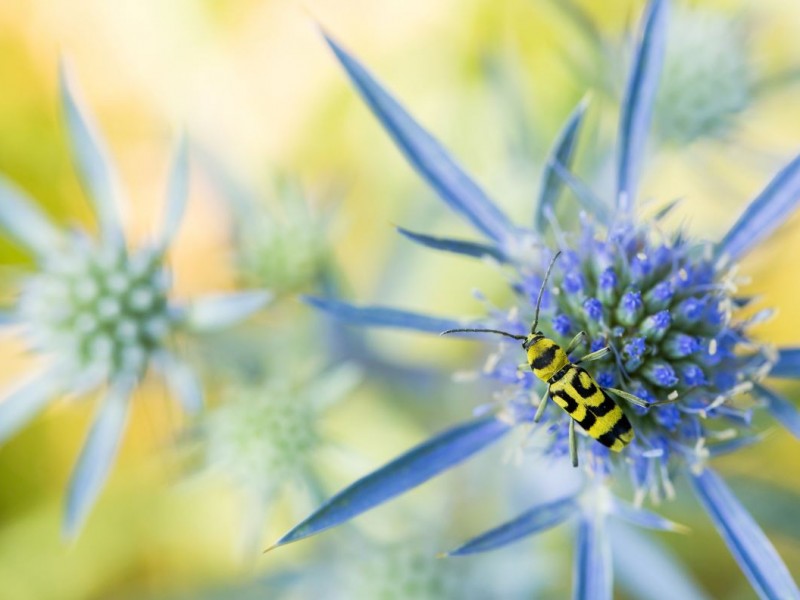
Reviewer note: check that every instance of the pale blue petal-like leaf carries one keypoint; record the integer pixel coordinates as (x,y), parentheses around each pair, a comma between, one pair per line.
(217,311)
(92,160)
(26,400)
(177,193)
(592,575)
(182,381)
(788,365)
(755,554)
(473,249)
(378,316)
(537,519)
(637,106)
(732,445)
(769,210)
(24,222)
(647,570)
(584,194)
(562,154)
(643,518)
(418,465)
(426,154)
(97,455)
(781,409)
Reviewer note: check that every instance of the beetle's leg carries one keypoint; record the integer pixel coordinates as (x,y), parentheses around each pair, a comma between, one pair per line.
(638,401)
(542,404)
(576,341)
(573,443)
(596,355)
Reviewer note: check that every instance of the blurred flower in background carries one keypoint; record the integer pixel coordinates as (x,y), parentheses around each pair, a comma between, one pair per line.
(100,313)
(654,300)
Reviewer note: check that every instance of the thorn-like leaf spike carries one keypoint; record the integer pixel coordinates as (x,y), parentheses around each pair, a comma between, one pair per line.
(24,222)
(97,456)
(755,554)
(561,154)
(462,247)
(92,161)
(763,215)
(426,154)
(177,194)
(781,409)
(409,470)
(537,519)
(788,365)
(378,316)
(637,107)
(592,574)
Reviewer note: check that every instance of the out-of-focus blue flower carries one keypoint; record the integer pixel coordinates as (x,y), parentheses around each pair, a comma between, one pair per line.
(99,312)
(670,317)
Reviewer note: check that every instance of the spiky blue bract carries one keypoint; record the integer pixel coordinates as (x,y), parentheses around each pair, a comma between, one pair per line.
(91,160)
(764,214)
(409,470)
(583,193)
(378,316)
(592,574)
(647,570)
(788,364)
(464,247)
(561,154)
(25,401)
(539,518)
(643,518)
(97,455)
(781,409)
(426,154)
(637,107)
(750,547)
(217,311)
(181,379)
(24,222)
(177,194)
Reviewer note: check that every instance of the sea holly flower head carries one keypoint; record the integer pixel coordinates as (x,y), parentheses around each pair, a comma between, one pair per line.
(99,312)
(265,432)
(282,246)
(668,313)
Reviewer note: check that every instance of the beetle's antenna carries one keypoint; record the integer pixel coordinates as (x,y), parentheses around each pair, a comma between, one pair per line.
(505,333)
(541,291)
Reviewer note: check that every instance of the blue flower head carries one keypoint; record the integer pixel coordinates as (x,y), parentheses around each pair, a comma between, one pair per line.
(655,291)
(99,312)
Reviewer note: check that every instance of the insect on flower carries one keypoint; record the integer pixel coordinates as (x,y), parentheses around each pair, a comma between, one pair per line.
(572,387)
(668,306)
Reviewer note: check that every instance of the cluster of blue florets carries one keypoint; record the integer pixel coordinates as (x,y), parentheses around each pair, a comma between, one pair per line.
(667,312)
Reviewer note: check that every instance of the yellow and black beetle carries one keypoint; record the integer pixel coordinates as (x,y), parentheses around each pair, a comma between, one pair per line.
(572,387)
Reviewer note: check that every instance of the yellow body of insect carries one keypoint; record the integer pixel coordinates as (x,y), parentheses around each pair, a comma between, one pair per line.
(575,390)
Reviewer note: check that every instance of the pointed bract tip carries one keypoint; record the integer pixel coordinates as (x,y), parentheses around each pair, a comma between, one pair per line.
(681,528)
(272,547)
